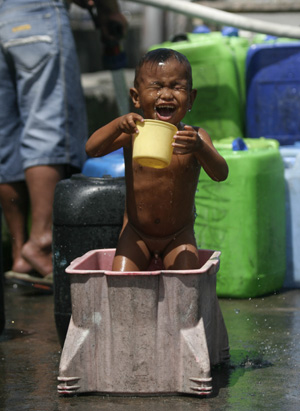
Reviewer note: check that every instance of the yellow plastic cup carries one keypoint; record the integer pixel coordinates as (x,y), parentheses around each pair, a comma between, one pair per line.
(152,146)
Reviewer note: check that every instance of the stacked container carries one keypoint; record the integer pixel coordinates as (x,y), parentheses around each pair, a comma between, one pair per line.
(110,165)
(273,91)
(244,217)
(291,158)
(87,214)
(218,65)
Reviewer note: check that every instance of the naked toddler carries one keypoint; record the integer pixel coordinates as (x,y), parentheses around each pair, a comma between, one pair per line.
(159,213)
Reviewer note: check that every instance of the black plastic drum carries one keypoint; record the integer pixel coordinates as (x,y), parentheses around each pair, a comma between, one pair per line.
(87,215)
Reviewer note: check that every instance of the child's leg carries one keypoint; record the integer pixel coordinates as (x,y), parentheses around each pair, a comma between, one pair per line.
(132,253)
(182,252)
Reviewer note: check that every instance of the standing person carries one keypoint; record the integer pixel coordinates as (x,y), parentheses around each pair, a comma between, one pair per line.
(43,126)
(159,213)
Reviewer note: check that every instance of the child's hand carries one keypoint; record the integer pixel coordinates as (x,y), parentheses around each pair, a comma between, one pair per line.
(186,141)
(127,123)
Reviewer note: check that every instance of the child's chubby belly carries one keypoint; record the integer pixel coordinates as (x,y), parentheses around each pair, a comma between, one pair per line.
(158,224)
(161,202)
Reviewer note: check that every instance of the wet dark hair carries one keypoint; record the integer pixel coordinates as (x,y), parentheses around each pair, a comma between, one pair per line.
(160,56)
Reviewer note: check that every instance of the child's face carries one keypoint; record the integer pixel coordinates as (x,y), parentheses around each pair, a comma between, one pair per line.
(163,91)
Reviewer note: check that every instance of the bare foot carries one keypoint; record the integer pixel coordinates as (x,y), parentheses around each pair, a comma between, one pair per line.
(21,266)
(40,258)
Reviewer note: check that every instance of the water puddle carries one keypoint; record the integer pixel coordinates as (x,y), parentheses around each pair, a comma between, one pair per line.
(12,334)
(227,375)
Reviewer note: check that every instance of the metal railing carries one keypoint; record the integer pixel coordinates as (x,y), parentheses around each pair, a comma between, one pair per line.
(218,16)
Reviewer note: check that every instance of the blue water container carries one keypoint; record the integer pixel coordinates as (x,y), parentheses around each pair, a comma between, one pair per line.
(291,160)
(230,31)
(201,29)
(110,165)
(273,92)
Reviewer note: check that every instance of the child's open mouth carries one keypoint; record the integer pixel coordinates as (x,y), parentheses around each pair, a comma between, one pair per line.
(164,112)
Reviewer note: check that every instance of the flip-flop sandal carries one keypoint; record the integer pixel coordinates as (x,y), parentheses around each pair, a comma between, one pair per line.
(37,281)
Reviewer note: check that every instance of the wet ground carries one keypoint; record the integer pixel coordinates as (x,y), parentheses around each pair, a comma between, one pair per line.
(264,373)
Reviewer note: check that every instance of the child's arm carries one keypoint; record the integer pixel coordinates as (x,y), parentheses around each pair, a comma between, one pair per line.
(113,135)
(197,141)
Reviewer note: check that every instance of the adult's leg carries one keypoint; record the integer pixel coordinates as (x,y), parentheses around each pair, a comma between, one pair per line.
(132,253)
(182,253)
(41,182)
(15,204)
(43,122)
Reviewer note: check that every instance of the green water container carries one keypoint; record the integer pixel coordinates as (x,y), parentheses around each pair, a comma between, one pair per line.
(218,64)
(239,47)
(267,39)
(244,217)
(251,143)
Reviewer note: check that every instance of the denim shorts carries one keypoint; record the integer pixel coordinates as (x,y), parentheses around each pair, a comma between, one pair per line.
(42,107)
